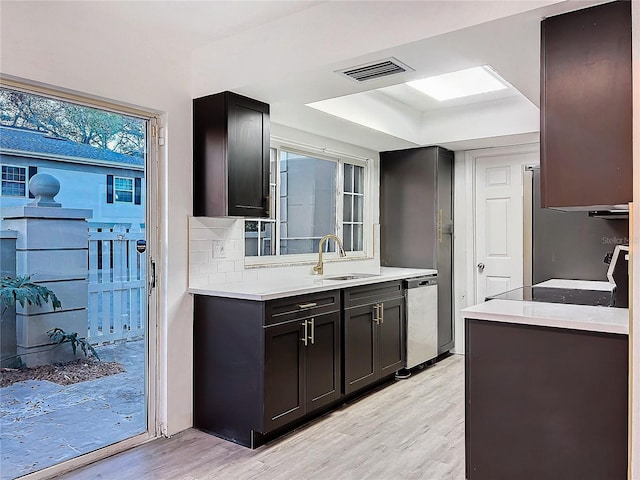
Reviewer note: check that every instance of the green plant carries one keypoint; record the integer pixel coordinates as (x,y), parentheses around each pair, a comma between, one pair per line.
(59,337)
(23,291)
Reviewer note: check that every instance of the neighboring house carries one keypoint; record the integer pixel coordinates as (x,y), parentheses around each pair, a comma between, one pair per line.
(109,183)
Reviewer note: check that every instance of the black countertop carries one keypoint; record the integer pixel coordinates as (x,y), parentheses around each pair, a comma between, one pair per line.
(572,296)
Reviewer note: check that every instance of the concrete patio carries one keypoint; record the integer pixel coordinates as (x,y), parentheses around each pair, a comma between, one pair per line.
(43,423)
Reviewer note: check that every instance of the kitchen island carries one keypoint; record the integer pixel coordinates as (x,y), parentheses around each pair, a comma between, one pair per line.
(546,389)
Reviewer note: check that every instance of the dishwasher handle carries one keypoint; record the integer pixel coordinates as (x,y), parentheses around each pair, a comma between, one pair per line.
(421,282)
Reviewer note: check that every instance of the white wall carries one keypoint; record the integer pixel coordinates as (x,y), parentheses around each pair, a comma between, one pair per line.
(39,43)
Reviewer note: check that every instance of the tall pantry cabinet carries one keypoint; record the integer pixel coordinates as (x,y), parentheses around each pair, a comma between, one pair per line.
(416,221)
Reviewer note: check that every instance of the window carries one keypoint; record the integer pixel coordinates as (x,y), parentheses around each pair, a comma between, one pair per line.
(353,208)
(314,195)
(124,190)
(14,181)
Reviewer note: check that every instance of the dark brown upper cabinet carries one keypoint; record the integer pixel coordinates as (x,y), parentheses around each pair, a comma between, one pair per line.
(586,98)
(230,156)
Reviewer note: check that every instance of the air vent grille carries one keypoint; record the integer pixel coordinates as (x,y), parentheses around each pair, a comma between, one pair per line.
(371,71)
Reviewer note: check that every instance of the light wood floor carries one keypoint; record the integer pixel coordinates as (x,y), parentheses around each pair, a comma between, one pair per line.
(412,429)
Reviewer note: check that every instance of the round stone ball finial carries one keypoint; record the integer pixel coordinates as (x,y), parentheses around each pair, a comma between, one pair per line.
(44,187)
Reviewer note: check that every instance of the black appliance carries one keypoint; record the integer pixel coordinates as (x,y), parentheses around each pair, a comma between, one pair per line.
(574,296)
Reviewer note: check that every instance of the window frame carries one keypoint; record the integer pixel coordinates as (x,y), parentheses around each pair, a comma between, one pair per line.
(26,181)
(340,159)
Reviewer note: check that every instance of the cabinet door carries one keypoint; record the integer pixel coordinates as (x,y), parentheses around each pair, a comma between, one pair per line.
(284,374)
(248,157)
(391,349)
(359,348)
(586,107)
(322,360)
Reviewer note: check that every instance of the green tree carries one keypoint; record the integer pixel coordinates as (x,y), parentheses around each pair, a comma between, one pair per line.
(77,123)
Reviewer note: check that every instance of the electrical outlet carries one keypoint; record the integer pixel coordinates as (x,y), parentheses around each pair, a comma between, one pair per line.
(218,249)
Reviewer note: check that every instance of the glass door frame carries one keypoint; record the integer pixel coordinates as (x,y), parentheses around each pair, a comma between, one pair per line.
(152,161)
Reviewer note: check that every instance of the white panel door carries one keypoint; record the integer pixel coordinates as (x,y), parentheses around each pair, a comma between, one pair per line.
(499,220)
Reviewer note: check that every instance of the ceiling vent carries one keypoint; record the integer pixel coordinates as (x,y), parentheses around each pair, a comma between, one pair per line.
(371,71)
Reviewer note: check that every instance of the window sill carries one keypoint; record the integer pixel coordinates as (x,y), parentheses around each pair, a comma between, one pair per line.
(299,260)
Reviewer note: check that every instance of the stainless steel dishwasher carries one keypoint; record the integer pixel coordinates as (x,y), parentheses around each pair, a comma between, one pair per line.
(422,320)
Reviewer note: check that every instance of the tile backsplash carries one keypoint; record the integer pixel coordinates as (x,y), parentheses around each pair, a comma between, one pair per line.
(216,256)
(216,251)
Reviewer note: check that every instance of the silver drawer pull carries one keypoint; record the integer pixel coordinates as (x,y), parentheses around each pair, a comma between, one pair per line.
(306,331)
(307,305)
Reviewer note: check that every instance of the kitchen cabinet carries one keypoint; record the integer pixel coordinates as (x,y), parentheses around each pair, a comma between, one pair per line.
(586,108)
(230,156)
(416,221)
(374,338)
(545,402)
(302,369)
(258,366)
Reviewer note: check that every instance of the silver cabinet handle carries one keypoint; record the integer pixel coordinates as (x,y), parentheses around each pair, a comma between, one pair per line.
(381,312)
(481,266)
(312,338)
(307,305)
(376,313)
(306,331)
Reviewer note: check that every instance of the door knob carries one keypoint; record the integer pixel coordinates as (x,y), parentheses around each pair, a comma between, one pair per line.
(481,266)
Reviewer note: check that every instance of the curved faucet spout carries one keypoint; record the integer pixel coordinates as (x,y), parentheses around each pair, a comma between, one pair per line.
(319,268)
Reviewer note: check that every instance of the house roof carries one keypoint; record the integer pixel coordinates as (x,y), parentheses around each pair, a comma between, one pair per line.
(36,144)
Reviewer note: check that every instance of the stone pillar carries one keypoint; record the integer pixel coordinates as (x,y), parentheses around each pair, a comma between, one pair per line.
(8,321)
(52,247)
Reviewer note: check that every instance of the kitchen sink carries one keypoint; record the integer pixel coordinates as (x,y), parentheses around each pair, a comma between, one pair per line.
(351,276)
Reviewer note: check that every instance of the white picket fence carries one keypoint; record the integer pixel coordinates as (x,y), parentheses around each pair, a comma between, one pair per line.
(117,287)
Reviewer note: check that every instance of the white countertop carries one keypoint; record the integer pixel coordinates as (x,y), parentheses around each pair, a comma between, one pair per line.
(299,285)
(576,317)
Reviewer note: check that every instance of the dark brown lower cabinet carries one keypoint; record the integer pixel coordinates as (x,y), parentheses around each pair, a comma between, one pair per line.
(259,366)
(302,367)
(545,403)
(373,325)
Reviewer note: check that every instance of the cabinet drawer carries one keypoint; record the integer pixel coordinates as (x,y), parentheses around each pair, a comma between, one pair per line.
(367,294)
(302,306)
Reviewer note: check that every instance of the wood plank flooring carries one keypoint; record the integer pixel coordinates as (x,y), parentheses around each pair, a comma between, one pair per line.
(412,429)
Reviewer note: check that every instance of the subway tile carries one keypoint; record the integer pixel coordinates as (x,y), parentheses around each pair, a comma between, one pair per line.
(235,255)
(200,246)
(197,257)
(225,267)
(233,277)
(198,281)
(211,267)
(217,278)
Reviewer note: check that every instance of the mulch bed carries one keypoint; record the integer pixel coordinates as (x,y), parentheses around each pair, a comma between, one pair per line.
(68,373)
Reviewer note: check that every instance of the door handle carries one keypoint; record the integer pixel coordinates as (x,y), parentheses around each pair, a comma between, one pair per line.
(376,313)
(381,310)
(312,337)
(481,266)
(306,332)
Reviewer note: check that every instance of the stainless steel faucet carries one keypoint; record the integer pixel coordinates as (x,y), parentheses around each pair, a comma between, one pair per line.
(319,268)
